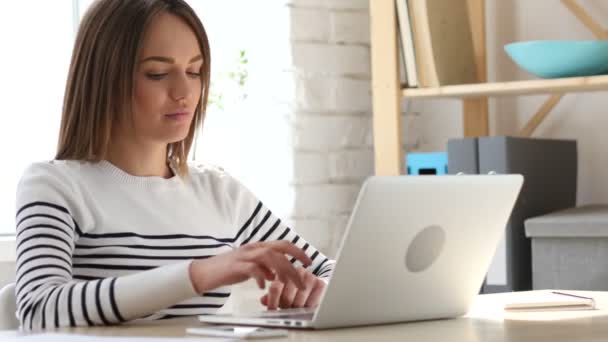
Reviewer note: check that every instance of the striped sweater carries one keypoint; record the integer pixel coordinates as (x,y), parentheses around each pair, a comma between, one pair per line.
(98,246)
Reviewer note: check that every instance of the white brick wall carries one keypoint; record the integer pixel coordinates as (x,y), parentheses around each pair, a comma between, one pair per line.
(351,166)
(353,95)
(332,59)
(330,104)
(310,168)
(350,27)
(338,94)
(324,133)
(318,29)
(324,201)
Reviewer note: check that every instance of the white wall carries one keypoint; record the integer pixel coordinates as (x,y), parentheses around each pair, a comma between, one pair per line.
(578,116)
(7,272)
(7,260)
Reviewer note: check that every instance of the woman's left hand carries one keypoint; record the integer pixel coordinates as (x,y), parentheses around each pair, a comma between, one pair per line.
(287,295)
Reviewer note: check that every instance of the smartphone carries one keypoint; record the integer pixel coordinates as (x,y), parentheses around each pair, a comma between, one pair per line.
(236,331)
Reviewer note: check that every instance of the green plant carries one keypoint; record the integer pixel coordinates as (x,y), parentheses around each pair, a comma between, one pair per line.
(230,86)
(226,87)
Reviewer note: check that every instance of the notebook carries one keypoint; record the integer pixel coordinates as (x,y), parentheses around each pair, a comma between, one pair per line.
(551,301)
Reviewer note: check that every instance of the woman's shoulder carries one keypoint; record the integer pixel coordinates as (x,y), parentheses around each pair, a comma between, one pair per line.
(214,176)
(52,168)
(209,173)
(203,169)
(49,181)
(49,173)
(222,185)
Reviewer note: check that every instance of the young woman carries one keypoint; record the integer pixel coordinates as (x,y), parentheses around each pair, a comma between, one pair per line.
(118,226)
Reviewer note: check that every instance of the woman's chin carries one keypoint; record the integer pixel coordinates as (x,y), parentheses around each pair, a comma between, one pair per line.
(173,138)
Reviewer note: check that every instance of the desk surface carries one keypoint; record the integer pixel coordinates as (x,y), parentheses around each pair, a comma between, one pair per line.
(486,322)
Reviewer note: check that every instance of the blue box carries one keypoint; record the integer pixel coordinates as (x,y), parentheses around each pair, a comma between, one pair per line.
(433,163)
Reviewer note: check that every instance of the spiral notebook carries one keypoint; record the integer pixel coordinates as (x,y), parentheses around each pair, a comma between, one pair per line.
(551,301)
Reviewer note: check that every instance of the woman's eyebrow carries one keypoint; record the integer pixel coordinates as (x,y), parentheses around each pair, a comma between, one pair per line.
(169,59)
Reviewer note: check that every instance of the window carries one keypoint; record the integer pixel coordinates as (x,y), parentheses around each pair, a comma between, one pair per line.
(36,50)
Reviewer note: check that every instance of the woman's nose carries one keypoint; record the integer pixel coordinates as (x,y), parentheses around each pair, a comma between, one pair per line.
(181,88)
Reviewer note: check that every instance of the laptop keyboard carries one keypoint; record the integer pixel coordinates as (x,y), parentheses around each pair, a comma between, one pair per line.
(294,313)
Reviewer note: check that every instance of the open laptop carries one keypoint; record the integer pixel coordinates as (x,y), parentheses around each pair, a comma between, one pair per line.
(415,248)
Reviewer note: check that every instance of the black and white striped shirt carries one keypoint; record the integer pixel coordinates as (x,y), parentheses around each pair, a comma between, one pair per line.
(97,246)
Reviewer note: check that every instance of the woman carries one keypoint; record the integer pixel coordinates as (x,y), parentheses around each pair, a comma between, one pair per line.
(119,227)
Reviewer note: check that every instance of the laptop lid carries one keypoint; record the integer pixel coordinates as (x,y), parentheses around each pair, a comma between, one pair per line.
(417,248)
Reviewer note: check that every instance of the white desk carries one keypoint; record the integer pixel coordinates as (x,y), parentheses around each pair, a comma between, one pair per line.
(486,322)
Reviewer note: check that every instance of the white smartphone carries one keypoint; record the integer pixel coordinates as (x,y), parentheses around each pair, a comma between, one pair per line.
(236,331)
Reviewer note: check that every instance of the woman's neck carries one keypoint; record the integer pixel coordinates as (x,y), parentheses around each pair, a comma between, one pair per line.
(140,159)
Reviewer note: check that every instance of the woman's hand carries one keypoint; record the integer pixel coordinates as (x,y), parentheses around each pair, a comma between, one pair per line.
(288,295)
(260,260)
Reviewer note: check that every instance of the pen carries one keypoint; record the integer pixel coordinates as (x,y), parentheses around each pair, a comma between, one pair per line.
(570,295)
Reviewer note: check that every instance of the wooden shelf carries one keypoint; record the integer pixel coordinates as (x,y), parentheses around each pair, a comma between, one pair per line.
(531,87)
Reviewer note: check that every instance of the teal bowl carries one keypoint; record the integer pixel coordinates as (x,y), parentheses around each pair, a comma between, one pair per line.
(554,59)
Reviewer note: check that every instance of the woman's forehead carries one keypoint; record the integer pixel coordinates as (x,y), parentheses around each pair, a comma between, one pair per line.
(170,36)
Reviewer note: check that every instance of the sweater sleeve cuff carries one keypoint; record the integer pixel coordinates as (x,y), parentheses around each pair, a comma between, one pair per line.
(147,292)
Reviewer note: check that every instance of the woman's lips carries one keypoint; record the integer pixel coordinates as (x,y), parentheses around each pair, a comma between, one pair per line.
(177,116)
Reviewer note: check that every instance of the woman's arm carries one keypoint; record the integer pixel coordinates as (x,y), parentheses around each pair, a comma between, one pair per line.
(255,223)
(47,294)
(260,224)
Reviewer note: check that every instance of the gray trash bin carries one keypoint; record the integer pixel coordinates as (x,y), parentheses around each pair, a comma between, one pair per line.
(570,249)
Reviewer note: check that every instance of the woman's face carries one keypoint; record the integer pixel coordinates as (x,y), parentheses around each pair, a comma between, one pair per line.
(167,81)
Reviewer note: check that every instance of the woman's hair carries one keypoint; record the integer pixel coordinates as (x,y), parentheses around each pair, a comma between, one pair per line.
(100,83)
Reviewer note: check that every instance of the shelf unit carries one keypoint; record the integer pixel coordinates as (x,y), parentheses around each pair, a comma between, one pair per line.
(387,91)
(561,85)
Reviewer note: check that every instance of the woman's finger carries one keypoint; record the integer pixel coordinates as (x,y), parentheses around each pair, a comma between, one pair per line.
(274,294)
(286,247)
(289,294)
(264,299)
(283,269)
(302,296)
(315,295)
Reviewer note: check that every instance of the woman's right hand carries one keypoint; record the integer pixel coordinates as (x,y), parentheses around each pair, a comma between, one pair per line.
(262,261)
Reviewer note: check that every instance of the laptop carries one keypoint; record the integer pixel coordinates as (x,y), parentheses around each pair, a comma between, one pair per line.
(415,248)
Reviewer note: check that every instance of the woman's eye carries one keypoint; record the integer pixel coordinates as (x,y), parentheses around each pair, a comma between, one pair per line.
(194,74)
(155,77)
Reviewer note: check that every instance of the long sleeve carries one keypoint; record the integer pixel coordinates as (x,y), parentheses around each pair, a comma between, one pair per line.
(47,294)
(255,222)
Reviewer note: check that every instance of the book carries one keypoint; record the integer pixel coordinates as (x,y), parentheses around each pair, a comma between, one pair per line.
(443,42)
(551,301)
(407,42)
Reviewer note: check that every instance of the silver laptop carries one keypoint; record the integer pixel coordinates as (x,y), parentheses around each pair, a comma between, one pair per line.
(416,248)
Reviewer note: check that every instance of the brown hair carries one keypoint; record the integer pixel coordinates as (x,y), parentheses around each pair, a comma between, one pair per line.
(100,81)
